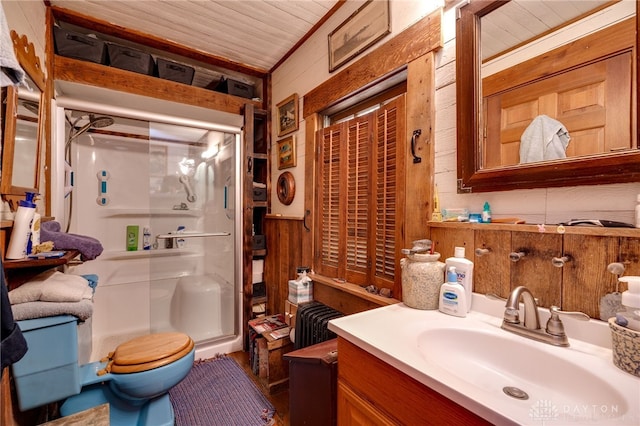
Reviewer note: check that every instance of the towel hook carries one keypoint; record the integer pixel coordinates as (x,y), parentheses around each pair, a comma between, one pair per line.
(416,133)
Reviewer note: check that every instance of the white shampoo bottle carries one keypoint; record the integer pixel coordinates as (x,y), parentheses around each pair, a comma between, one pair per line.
(464,269)
(21,231)
(453,300)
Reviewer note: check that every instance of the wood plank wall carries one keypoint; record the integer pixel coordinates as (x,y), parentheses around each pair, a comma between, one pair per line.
(285,253)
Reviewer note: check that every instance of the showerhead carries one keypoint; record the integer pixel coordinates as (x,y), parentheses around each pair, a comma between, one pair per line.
(94,122)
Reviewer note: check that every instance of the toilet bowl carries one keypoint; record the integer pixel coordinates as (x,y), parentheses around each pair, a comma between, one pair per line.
(134,379)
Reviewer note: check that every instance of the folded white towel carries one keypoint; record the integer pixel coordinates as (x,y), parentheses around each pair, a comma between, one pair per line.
(52,286)
(544,139)
(65,288)
(31,290)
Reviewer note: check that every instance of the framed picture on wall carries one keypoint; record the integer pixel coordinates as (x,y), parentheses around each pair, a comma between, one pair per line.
(363,28)
(286,153)
(287,111)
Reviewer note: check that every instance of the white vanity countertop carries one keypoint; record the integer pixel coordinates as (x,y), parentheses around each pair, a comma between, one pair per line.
(396,335)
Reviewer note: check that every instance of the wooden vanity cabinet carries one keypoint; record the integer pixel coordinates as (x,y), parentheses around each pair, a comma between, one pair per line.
(372,392)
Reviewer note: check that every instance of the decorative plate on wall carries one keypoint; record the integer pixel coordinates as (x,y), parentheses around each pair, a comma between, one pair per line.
(286,188)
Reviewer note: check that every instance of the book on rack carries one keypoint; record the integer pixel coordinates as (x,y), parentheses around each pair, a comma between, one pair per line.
(280,333)
(268,323)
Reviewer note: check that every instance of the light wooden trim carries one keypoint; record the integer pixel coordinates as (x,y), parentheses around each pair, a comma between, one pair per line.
(420,176)
(29,61)
(423,37)
(353,289)
(84,72)
(582,51)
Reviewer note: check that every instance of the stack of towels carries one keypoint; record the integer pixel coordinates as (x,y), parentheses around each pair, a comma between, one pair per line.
(54,293)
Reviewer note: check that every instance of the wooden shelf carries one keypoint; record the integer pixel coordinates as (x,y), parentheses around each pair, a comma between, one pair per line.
(542,229)
(40,263)
(73,70)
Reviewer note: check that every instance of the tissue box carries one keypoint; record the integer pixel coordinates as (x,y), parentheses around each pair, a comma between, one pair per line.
(625,347)
(300,291)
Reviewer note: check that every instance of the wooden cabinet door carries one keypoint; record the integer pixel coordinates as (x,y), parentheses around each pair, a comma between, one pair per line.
(355,411)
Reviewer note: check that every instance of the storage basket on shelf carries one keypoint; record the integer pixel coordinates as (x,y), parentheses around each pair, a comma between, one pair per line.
(130,59)
(625,348)
(79,46)
(174,71)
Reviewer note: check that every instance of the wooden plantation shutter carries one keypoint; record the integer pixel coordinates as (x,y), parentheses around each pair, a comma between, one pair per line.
(358,198)
(361,196)
(329,180)
(389,189)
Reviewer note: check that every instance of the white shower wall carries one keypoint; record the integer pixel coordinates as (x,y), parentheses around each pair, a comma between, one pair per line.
(137,290)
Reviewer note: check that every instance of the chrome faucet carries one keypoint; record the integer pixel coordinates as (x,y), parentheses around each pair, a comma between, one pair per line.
(554,331)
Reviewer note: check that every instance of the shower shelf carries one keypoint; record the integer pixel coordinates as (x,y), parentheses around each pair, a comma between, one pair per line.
(192,235)
(142,254)
(149,212)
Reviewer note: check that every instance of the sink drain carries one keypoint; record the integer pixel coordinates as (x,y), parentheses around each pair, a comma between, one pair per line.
(515,392)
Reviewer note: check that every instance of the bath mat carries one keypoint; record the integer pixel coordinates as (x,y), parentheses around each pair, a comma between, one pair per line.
(217,391)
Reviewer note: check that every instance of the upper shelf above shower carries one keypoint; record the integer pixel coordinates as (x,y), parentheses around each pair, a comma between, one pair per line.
(94,74)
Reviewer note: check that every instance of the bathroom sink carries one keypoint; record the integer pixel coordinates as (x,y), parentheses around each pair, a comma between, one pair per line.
(514,368)
(500,376)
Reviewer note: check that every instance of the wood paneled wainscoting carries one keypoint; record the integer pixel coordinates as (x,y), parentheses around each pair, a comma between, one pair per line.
(289,246)
(285,252)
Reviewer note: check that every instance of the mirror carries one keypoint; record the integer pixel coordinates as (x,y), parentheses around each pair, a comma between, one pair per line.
(23,126)
(496,105)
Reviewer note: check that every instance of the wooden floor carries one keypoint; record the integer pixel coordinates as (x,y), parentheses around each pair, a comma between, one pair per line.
(279,400)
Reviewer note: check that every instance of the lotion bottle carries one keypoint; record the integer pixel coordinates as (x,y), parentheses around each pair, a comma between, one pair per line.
(630,317)
(453,296)
(21,231)
(464,270)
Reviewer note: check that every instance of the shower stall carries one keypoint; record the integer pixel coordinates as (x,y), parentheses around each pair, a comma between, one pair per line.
(162,199)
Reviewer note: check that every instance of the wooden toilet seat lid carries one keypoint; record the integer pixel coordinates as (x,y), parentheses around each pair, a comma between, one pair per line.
(149,352)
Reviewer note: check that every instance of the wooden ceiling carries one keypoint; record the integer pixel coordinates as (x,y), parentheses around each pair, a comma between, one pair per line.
(255,33)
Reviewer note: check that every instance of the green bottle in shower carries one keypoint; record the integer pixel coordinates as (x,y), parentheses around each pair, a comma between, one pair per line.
(132,237)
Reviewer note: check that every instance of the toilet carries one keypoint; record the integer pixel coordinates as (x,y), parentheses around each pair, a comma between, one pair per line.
(134,379)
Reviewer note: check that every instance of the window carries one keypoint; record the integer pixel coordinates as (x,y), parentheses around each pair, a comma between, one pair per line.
(361,196)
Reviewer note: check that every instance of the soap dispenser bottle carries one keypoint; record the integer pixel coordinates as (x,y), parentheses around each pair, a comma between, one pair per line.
(452,296)
(21,232)
(464,270)
(630,317)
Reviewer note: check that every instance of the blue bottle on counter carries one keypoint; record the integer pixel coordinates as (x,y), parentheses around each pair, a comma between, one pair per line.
(21,232)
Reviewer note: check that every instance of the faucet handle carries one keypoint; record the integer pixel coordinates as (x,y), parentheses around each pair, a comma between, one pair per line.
(554,324)
(581,316)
